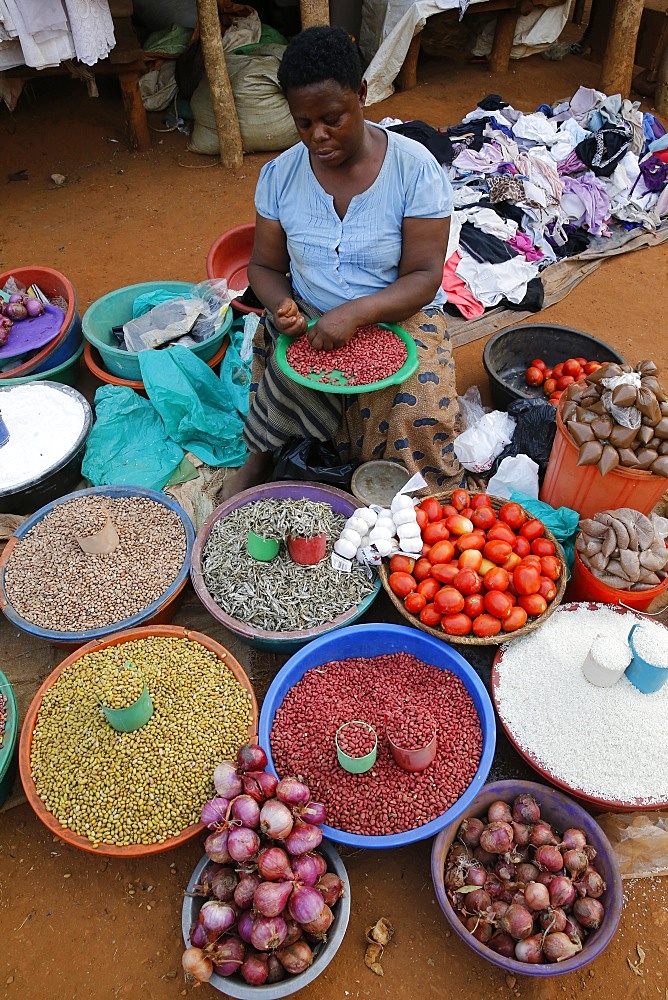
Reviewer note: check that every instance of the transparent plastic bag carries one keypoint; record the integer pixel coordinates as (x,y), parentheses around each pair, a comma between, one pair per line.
(480,443)
(162,318)
(470,407)
(640,842)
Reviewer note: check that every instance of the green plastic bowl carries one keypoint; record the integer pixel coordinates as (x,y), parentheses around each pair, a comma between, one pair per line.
(66,373)
(409,367)
(115,308)
(8,750)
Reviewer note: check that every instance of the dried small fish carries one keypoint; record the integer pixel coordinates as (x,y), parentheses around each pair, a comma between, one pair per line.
(279,596)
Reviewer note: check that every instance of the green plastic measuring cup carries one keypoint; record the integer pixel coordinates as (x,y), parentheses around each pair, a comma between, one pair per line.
(132,717)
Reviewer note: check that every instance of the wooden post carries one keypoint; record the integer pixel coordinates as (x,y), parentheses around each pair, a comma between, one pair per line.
(499,57)
(661,92)
(407,76)
(617,71)
(135,112)
(313,12)
(222,99)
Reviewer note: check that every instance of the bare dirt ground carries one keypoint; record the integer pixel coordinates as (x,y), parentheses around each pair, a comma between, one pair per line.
(75,926)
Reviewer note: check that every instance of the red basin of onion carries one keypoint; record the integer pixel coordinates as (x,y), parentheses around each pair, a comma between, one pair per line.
(562,813)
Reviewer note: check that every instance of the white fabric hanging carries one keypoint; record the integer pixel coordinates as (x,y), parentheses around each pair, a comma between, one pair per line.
(92,29)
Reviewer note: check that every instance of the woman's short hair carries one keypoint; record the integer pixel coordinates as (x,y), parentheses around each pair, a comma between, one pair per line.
(317,54)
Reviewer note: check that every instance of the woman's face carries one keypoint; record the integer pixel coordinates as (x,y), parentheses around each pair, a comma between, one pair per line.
(329,119)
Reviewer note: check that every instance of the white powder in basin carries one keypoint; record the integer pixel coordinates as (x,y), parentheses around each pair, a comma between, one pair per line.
(651,643)
(43,423)
(611,652)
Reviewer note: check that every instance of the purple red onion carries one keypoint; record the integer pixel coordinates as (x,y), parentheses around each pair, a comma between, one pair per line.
(243,844)
(296,957)
(245,926)
(526,809)
(273,865)
(227,956)
(305,869)
(562,891)
(198,938)
(255,968)
(305,904)
(499,812)
(245,890)
(276,970)
(223,884)
(304,838)
(268,933)
(330,887)
(530,949)
(276,820)
(557,947)
(497,837)
(470,830)
(293,792)
(271,898)
(214,813)
(216,918)
(588,912)
(251,758)
(517,921)
(590,884)
(537,896)
(550,858)
(226,781)
(314,812)
(246,811)
(216,847)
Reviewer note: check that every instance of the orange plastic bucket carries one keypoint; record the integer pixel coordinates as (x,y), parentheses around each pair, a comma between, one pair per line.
(584,489)
(584,586)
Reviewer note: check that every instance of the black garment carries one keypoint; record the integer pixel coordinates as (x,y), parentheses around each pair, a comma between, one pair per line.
(484,247)
(575,244)
(493,102)
(603,150)
(504,209)
(438,144)
(533,298)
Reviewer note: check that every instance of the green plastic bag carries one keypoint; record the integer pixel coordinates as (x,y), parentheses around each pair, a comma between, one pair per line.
(235,370)
(128,444)
(562,522)
(196,407)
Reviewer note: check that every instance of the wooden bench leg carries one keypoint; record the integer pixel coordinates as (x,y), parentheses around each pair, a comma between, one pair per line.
(135,112)
(407,76)
(499,57)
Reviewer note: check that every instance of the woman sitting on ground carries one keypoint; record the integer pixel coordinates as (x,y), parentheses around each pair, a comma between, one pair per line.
(358,217)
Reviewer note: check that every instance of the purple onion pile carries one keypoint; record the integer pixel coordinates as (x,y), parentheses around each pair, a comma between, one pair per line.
(269,896)
(521,888)
(19,307)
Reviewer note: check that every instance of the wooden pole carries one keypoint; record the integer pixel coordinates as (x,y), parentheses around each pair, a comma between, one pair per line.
(617,71)
(222,99)
(313,12)
(661,93)
(504,33)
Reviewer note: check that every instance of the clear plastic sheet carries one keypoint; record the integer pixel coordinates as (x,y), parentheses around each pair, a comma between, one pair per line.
(640,842)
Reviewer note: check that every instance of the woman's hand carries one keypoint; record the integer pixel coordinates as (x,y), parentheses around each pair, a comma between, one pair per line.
(335,328)
(288,319)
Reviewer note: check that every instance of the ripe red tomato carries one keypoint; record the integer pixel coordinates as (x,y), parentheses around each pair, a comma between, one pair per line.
(550,567)
(522,546)
(548,373)
(430,616)
(422,569)
(402,564)
(554,398)
(444,572)
(467,512)
(558,370)
(526,579)
(467,582)
(531,560)
(421,518)
(533,604)
(460,499)
(429,588)
(547,589)
(472,540)
(532,529)
(456,624)
(534,376)
(432,509)
(458,525)
(538,363)
(474,605)
(448,601)
(549,386)
(573,367)
(486,625)
(435,531)
(414,603)
(564,382)
(483,517)
(441,552)
(543,547)
(591,367)
(496,579)
(402,584)
(498,604)
(497,551)
(470,559)
(448,510)
(480,500)
(512,515)
(425,549)
(581,361)
(503,532)
(516,619)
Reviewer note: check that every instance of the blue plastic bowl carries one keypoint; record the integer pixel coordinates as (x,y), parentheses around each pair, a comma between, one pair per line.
(115,308)
(151,614)
(376,640)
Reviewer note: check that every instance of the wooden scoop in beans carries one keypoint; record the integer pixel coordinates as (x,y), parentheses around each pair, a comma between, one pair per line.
(622,549)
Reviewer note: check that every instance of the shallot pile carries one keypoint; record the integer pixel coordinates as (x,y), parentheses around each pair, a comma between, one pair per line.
(18,307)
(522,889)
(269,896)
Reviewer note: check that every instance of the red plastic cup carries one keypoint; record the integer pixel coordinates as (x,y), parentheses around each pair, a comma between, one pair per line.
(307,551)
(414,760)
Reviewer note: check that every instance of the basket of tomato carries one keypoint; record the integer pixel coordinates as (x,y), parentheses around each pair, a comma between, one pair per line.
(488,571)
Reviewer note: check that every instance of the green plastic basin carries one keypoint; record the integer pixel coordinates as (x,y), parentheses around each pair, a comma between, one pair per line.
(66,373)
(8,750)
(115,308)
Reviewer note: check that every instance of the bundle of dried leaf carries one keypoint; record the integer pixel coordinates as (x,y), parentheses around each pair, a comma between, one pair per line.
(378,935)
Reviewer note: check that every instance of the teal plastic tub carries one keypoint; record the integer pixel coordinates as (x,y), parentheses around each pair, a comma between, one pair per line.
(66,373)
(115,308)
(8,750)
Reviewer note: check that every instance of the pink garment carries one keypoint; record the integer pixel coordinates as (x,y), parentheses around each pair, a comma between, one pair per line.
(458,292)
(523,244)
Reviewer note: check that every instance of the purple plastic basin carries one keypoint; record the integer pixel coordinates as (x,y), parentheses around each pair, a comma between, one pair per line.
(284,642)
(562,813)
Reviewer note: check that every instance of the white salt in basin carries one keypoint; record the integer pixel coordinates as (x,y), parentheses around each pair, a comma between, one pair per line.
(44,424)
(605,744)
(650,641)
